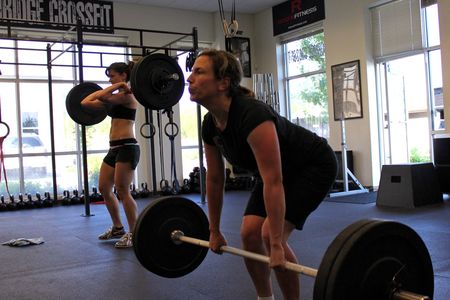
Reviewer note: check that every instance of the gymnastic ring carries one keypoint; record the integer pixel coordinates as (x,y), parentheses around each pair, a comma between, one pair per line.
(7,130)
(174,132)
(152,130)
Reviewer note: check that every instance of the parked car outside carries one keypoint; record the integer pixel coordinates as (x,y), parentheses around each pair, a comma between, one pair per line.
(31,144)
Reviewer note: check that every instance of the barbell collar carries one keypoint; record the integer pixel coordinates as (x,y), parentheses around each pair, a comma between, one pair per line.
(172,77)
(405,295)
(177,236)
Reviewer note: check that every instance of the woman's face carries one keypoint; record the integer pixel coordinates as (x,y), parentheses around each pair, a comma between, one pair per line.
(203,84)
(115,77)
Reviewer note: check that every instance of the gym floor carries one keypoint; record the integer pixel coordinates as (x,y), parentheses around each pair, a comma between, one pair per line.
(74,264)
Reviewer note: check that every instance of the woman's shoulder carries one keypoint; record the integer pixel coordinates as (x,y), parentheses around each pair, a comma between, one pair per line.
(252,106)
(128,100)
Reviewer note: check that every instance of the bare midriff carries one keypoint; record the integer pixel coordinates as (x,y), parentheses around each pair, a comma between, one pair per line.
(121,129)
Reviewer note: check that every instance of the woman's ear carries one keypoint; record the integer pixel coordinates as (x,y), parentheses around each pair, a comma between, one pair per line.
(224,84)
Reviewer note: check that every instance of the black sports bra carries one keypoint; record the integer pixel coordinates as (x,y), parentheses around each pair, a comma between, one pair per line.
(122,112)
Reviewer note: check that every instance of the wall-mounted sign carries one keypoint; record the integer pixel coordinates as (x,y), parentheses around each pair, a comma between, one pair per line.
(96,15)
(294,14)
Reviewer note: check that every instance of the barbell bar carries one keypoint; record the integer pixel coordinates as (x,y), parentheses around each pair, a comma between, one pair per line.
(370,259)
(178,236)
(156,80)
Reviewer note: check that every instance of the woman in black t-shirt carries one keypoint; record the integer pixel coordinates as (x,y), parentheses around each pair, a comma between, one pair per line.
(294,167)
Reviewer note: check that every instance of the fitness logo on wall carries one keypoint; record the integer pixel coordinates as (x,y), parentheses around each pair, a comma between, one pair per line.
(96,15)
(294,14)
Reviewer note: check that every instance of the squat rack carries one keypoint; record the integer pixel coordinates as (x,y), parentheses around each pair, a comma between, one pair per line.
(77,31)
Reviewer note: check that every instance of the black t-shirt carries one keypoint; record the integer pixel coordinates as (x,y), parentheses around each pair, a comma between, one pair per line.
(299,147)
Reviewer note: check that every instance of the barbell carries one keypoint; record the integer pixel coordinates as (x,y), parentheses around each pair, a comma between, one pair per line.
(370,259)
(156,80)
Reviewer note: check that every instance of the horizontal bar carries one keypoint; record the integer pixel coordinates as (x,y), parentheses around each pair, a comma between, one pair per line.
(247,254)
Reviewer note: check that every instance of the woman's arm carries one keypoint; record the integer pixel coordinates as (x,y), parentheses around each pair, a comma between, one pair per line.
(265,145)
(215,182)
(97,99)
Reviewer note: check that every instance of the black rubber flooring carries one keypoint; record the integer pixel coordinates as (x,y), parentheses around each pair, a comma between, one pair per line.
(74,264)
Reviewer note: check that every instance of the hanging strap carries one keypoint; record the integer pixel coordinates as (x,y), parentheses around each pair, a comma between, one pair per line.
(224,21)
(2,159)
(171,135)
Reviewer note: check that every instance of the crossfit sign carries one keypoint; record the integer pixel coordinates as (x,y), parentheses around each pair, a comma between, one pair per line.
(97,16)
(294,14)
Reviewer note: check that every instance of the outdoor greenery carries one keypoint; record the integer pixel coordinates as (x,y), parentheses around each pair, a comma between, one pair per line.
(313,50)
(415,156)
(308,89)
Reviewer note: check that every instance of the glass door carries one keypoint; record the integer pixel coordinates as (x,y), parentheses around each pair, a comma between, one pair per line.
(405,110)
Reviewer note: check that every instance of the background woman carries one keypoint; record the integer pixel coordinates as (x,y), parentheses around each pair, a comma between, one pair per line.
(118,166)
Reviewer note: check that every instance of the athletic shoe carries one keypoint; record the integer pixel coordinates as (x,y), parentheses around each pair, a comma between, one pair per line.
(112,233)
(125,241)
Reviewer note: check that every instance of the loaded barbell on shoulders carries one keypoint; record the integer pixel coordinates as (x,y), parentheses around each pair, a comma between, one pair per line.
(156,80)
(370,259)
(80,113)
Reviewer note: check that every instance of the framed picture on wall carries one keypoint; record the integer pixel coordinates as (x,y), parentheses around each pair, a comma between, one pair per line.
(240,48)
(346,83)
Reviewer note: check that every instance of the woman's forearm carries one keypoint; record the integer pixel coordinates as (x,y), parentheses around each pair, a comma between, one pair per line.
(275,208)
(214,192)
(98,99)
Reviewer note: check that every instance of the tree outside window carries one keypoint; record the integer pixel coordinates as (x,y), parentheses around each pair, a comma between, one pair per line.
(306,83)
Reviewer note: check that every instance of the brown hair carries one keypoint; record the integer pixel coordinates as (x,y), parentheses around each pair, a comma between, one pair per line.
(225,65)
(120,67)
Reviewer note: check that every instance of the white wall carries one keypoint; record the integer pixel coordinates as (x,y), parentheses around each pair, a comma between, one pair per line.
(157,18)
(347,38)
(268,57)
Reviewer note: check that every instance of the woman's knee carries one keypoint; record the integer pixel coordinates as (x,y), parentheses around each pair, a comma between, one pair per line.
(251,232)
(122,190)
(104,188)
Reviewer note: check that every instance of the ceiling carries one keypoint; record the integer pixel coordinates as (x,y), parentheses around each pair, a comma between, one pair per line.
(243,6)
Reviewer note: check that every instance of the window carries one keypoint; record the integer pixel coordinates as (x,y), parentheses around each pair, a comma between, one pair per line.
(409,79)
(189,125)
(306,82)
(24,91)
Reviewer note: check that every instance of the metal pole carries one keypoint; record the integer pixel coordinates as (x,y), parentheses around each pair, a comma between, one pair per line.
(149,113)
(199,133)
(344,155)
(52,131)
(87,201)
(149,119)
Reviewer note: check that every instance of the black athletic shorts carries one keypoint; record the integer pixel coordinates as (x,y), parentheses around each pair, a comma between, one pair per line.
(304,190)
(123,151)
